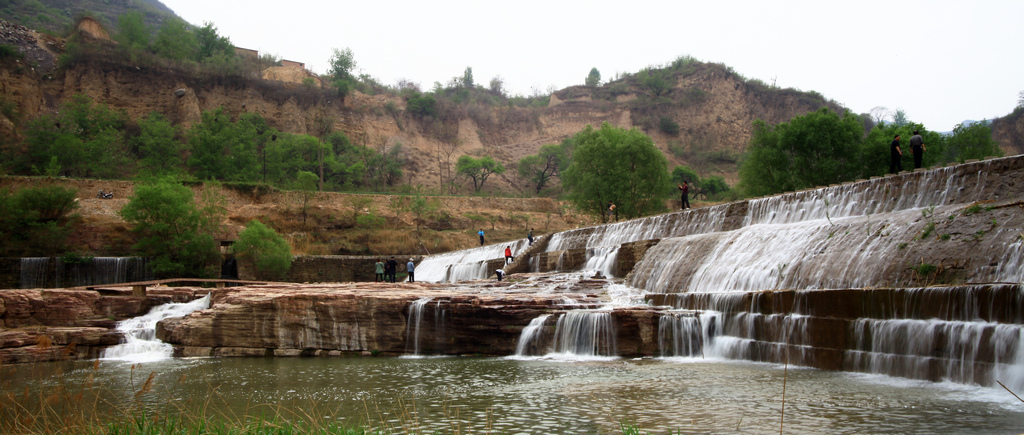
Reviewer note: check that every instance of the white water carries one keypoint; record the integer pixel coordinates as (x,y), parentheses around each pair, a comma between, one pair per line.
(141,344)
(465,264)
(585,333)
(531,333)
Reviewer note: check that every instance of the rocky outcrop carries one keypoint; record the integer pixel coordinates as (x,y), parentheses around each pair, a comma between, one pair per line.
(481,317)
(46,325)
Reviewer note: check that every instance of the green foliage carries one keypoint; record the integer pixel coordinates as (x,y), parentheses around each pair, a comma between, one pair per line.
(478,170)
(223,150)
(82,140)
(174,230)
(924,269)
(815,149)
(467,78)
(617,165)
(306,183)
(174,40)
(266,250)
(971,142)
(668,126)
(656,81)
(422,207)
(541,167)
(132,31)
(594,78)
(342,63)
(210,45)
(158,148)
(422,105)
(972,209)
(36,221)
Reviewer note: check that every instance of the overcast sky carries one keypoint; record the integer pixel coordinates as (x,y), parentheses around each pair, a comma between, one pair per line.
(942,62)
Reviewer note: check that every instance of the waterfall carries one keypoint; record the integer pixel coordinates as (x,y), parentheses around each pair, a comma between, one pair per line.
(141,344)
(940,350)
(584,333)
(680,335)
(34,272)
(417,329)
(465,264)
(531,335)
(41,272)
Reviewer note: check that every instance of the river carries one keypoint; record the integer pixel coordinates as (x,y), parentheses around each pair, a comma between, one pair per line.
(530,395)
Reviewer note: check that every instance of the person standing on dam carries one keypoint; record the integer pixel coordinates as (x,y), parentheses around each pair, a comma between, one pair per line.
(895,156)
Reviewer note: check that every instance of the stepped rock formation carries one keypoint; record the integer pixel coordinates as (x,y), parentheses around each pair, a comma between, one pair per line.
(916,275)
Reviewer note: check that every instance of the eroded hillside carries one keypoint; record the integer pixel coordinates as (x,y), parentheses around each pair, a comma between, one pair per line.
(712,106)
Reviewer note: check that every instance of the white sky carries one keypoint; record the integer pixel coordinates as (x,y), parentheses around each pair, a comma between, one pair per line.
(942,62)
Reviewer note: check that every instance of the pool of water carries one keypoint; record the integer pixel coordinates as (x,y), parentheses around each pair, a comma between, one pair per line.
(529,396)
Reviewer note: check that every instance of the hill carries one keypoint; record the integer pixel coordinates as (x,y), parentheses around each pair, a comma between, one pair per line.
(57,16)
(699,114)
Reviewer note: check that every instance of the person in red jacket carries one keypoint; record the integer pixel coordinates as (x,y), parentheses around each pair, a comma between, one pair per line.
(685,200)
(508,255)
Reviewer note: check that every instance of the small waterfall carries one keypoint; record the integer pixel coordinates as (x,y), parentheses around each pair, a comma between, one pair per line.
(531,335)
(418,329)
(53,272)
(34,272)
(957,351)
(680,335)
(141,344)
(466,264)
(585,333)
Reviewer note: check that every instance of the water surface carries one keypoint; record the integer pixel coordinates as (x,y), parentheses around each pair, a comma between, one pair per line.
(541,395)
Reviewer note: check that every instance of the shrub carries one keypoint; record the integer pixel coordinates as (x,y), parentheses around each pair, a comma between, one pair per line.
(668,126)
(266,250)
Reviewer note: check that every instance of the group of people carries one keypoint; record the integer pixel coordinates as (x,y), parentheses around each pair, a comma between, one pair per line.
(896,153)
(386,271)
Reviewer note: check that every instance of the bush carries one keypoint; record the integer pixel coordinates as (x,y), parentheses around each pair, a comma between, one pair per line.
(266,250)
(36,221)
(668,126)
(173,230)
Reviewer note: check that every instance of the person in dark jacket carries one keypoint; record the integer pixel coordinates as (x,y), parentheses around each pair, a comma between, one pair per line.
(895,156)
(390,269)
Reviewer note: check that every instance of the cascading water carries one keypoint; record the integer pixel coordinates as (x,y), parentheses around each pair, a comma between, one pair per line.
(141,344)
(417,326)
(530,336)
(465,264)
(585,333)
(680,335)
(44,272)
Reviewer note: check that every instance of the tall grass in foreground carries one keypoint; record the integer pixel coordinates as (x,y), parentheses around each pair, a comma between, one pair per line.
(62,404)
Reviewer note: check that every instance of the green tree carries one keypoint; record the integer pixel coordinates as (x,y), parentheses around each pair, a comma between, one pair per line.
(173,230)
(816,149)
(422,207)
(37,221)
(467,78)
(210,45)
(83,140)
(266,250)
(132,31)
(654,80)
(306,183)
(594,78)
(971,142)
(159,150)
(368,222)
(224,150)
(617,165)
(174,40)
(342,63)
(541,167)
(478,170)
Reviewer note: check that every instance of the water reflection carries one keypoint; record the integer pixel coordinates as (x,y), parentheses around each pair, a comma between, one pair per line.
(543,396)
